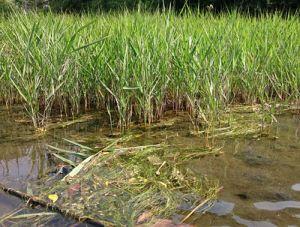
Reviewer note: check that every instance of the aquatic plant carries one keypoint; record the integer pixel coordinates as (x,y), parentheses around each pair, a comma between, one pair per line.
(137,65)
(119,184)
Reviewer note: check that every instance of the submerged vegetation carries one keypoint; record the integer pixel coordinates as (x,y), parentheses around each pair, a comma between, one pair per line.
(120,185)
(142,182)
(136,66)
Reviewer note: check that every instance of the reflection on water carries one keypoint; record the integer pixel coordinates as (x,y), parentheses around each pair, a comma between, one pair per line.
(296,187)
(275,206)
(249,223)
(258,175)
(23,160)
(8,203)
(22,163)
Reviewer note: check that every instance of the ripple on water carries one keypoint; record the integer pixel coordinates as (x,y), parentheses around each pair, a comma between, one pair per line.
(250,223)
(275,206)
(296,187)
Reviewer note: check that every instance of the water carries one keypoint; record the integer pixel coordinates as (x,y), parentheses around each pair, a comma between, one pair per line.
(296,187)
(260,177)
(23,161)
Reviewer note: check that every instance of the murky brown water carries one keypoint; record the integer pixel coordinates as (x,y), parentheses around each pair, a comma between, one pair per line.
(261,177)
(23,161)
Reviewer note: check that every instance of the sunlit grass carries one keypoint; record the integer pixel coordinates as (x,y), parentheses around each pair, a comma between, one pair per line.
(137,65)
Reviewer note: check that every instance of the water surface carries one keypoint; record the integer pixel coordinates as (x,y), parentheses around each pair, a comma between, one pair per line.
(260,177)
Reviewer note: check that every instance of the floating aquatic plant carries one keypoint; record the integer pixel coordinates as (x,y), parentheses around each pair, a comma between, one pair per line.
(119,184)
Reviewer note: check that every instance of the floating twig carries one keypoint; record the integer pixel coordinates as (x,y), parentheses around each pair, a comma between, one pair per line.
(34,200)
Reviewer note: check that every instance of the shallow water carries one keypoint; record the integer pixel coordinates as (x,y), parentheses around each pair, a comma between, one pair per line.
(296,187)
(260,177)
(23,161)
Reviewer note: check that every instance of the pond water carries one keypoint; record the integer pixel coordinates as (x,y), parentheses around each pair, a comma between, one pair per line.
(260,177)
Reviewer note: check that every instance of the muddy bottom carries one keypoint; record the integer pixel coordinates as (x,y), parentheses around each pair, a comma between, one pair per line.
(260,177)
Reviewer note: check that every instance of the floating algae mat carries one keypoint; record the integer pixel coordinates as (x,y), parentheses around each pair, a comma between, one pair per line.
(118,185)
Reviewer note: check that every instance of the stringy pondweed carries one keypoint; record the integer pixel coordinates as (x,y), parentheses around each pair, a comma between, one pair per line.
(119,184)
(138,65)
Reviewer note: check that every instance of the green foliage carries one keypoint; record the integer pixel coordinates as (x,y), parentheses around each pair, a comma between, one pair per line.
(251,5)
(6,6)
(137,66)
(131,181)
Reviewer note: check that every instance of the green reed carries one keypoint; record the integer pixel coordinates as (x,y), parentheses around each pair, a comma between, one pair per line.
(138,65)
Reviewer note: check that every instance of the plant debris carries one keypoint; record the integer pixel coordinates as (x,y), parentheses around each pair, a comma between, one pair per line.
(121,185)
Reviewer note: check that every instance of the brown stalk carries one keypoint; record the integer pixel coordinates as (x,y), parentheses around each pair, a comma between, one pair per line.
(34,200)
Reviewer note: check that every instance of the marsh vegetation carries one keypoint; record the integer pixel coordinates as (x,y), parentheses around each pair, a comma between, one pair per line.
(198,77)
(136,66)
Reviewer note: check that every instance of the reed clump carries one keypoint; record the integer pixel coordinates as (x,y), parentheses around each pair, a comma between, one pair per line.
(137,65)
